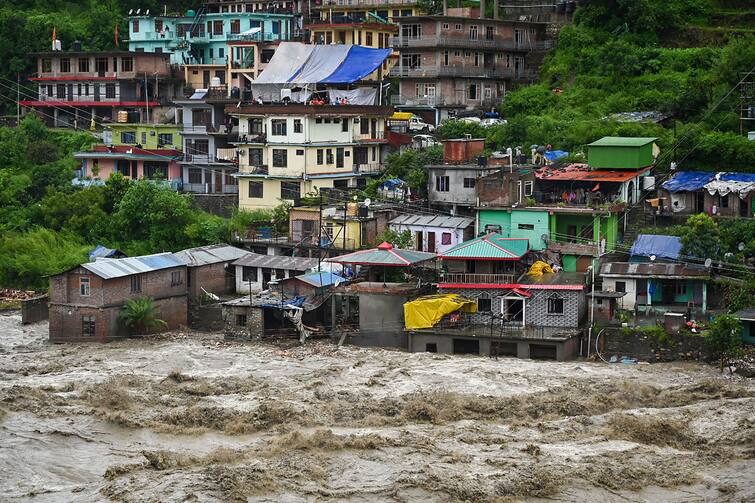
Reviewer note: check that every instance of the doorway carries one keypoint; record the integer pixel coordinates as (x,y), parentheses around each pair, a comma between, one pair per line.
(266,277)
(466,347)
(700,202)
(513,310)
(219,181)
(418,238)
(431,242)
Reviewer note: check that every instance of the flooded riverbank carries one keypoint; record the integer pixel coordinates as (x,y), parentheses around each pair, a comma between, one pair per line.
(189,417)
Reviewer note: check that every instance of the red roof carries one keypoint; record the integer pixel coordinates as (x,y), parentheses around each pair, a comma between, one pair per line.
(73,77)
(512,286)
(31,103)
(582,172)
(122,149)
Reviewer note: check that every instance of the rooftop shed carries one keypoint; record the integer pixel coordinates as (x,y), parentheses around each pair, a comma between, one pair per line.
(616,152)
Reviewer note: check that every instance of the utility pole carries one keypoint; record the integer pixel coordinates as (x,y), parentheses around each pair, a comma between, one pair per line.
(592,297)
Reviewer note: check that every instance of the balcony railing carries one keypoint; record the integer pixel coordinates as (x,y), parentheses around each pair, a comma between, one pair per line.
(455,71)
(377,135)
(258,169)
(206,188)
(205,158)
(463,277)
(248,138)
(356,3)
(467,43)
(368,167)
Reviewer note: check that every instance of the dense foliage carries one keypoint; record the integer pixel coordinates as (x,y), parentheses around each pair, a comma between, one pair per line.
(724,338)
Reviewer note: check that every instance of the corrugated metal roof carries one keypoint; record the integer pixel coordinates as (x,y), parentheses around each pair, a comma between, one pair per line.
(582,172)
(492,246)
(653,270)
(214,254)
(277,262)
(320,279)
(108,268)
(621,141)
(554,279)
(445,221)
(384,255)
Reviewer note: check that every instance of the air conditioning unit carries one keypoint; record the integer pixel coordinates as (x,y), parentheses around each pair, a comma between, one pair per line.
(648,183)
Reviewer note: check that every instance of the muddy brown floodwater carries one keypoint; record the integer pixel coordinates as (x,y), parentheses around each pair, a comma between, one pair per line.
(190,418)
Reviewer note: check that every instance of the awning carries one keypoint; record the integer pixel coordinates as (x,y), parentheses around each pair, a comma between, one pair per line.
(426,312)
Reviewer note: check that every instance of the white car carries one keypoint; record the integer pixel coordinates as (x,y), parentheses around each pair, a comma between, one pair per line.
(493,122)
(471,120)
(423,141)
(417,124)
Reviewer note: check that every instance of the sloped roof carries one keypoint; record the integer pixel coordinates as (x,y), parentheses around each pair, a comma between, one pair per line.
(109,268)
(433,221)
(492,246)
(214,254)
(621,141)
(653,270)
(582,172)
(384,255)
(277,262)
(320,279)
(661,246)
(688,181)
(561,280)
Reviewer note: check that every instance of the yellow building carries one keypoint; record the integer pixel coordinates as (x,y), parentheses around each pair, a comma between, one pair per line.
(288,151)
(345,227)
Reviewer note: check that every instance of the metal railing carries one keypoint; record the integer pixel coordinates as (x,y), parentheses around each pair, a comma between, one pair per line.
(375,3)
(205,158)
(206,188)
(376,135)
(368,167)
(463,277)
(455,71)
(468,43)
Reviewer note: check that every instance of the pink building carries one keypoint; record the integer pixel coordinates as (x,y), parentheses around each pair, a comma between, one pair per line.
(132,162)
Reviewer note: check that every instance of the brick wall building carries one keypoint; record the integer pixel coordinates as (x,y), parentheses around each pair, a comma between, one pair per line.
(85,301)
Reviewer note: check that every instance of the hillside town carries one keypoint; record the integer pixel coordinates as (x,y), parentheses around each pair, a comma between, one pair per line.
(392,248)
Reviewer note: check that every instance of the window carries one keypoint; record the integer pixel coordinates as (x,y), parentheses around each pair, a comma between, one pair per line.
(280,158)
(60,91)
(526,227)
(368,39)
(249,274)
(235,26)
(489,31)
(445,58)
(364,126)
(299,151)
(680,288)
(473,32)
(411,61)
(135,26)
(339,157)
(555,305)
(86,89)
(110,91)
(255,190)
(472,92)
(255,157)
(158,25)
(46,65)
(477,58)
(136,283)
(484,304)
(724,201)
(127,64)
(431,347)
(128,137)
(411,30)
(458,26)
(144,138)
(469,183)
(175,278)
(164,139)
(65,65)
(84,286)
(320,154)
(50,91)
(241,320)
(221,55)
(290,190)
(100,65)
(254,126)
(445,238)
(621,286)
(442,184)
(217,27)
(78,89)
(279,127)
(195,175)
(318,120)
(445,26)
(297,126)
(156,170)
(88,325)
(345,126)
(528,188)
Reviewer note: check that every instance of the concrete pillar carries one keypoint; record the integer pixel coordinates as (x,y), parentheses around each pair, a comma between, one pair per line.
(495,9)
(482,9)
(445,7)
(523,350)
(705,297)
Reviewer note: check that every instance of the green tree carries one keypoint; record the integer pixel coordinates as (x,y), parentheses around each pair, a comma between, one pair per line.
(401,239)
(724,338)
(140,316)
(700,237)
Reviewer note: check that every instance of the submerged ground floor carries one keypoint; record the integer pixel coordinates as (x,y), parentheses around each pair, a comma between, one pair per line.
(189,417)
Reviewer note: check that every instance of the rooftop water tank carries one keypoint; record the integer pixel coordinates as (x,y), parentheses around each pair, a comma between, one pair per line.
(190,13)
(215,82)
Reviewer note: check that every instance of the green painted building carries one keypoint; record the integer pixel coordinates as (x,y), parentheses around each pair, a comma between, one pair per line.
(149,136)
(616,152)
(570,231)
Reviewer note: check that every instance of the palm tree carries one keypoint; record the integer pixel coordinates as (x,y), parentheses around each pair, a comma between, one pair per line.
(140,315)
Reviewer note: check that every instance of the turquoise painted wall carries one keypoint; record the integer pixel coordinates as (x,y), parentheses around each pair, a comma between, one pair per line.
(518,224)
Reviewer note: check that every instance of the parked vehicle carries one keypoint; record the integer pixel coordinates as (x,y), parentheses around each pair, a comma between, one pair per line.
(423,141)
(490,121)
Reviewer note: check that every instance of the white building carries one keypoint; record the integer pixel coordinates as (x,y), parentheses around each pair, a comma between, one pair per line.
(254,272)
(435,233)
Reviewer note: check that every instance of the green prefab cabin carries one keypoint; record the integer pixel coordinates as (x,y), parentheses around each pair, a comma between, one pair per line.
(149,136)
(616,152)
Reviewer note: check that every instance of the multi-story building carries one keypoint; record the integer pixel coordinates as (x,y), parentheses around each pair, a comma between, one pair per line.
(132,162)
(76,87)
(274,6)
(287,151)
(361,10)
(230,46)
(462,60)
(345,227)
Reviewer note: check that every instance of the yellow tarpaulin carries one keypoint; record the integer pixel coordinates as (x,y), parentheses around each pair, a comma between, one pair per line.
(401,116)
(427,311)
(538,268)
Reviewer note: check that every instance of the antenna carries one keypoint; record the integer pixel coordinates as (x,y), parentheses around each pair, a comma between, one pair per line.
(367,202)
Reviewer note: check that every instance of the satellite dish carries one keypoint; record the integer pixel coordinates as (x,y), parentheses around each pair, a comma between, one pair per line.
(652,258)
(741,246)
(708,262)
(545,238)
(367,201)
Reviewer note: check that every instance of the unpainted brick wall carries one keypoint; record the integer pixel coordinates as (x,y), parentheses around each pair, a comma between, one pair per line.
(34,309)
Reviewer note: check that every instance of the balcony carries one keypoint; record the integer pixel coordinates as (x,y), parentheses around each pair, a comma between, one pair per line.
(247,139)
(368,167)
(454,71)
(206,188)
(473,278)
(376,136)
(257,37)
(206,158)
(366,3)
(467,43)
(257,169)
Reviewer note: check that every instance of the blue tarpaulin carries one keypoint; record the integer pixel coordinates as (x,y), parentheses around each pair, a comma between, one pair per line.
(297,301)
(554,155)
(391,183)
(359,63)
(688,181)
(667,247)
(105,252)
(320,279)
(737,177)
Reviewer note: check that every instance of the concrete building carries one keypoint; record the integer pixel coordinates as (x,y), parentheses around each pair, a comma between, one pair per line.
(383,10)
(345,227)
(434,234)
(716,194)
(255,272)
(148,136)
(453,183)
(85,301)
(159,165)
(658,287)
(274,6)
(75,87)
(449,63)
(210,270)
(287,151)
